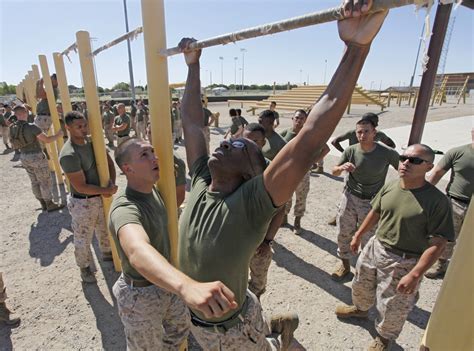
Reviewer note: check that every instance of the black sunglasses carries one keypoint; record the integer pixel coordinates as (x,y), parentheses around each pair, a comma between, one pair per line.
(414,160)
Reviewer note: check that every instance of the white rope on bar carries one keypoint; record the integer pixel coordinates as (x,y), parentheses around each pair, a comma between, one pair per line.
(132,35)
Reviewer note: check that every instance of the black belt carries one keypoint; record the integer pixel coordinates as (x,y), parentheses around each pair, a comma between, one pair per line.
(465,202)
(136,283)
(123,136)
(76,196)
(224,326)
(400,252)
(360,196)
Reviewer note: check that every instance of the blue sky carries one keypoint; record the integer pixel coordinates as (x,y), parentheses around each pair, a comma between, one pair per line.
(50,26)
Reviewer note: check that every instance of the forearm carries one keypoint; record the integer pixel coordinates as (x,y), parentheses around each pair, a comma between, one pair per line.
(427,259)
(90,189)
(336,171)
(369,222)
(191,108)
(336,143)
(112,173)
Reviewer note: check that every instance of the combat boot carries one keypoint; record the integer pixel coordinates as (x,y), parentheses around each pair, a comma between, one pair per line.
(437,270)
(346,311)
(319,170)
(332,221)
(87,275)
(297,225)
(285,325)
(342,270)
(379,344)
(7,317)
(52,206)
(43,204)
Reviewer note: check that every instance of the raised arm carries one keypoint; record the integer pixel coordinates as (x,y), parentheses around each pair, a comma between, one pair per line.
(40,92)
(288,168)
(192,114)
(436,174)
(336,142)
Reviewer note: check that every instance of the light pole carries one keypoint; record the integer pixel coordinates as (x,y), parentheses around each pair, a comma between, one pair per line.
(301,76)
(222,69)
(243,51)
(417,55)
(235,72)
(130,65)
(371,83)
(325,69)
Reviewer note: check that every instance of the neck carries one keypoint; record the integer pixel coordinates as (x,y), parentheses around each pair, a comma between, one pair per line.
(367,146)
(78,140)
(140,185)
(269,132)
(224,184)
(412,183)
(296,130)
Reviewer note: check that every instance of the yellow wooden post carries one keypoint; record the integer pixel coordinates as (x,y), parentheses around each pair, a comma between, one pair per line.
(154,35)
(452,320)
(95,126)
(48,86)
(17,90)
(32,84)
(62,83)
(389,98)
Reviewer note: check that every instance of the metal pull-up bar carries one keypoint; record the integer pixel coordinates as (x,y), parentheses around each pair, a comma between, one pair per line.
(324,16)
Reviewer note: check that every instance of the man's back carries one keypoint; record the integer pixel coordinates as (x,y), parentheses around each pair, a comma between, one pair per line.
(461,162)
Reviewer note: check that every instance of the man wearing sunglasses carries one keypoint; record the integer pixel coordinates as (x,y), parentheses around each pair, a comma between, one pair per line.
(414,224)
(233,196)
(460,161)
(367,163)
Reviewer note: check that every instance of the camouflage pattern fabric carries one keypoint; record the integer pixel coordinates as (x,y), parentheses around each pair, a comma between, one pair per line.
(259,265)
(301,194)
(37,168)
(459,212)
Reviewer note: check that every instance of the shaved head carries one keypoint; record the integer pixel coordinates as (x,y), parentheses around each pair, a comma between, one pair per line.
(423,150)
(123,154)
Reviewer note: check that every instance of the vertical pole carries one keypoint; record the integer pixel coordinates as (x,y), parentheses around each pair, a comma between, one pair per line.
(274,87)
(57,146)
(427,82)
(130,64)
(417,55)
(62,83)
(95,126)
(28,90)
(17,91)
(32,83)
(154,36)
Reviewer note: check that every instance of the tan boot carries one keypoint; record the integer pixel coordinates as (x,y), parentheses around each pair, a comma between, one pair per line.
(350,311)
(379,344)
(52,206)
(87,275)
(297,225)
(437,270)
(285,325)
(7,317)
(319,170)
(332,221)
(342,270)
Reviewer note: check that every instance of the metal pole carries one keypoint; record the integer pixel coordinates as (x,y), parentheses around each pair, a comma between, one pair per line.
(222,69)
(417,55)
(95,126)
(325,69)
(324,16)
(243,66)
(427,81)
(235,72)
(154,35)
(130,64)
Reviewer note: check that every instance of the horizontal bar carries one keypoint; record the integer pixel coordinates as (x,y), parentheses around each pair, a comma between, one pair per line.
(124,37)
(69,49)
(324,16)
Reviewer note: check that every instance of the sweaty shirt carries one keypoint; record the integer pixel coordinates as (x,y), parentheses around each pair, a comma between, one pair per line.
(288,134)
(460,161)
(409,218)
(219,234)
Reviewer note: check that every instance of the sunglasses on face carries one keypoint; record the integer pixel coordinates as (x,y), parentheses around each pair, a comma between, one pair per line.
(414,160)
(238,144)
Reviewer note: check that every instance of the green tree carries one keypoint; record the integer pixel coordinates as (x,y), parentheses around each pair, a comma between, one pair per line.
(121,86)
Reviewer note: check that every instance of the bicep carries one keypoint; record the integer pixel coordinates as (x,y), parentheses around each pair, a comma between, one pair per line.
(195,143)
(132,236)
(77,179)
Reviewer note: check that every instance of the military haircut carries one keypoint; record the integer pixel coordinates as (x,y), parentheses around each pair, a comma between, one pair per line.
(18,108)
(273,103)
(239,111)
(255,127)
(303,112)
(72,116)
(267,114)
(366,122)
(428,151)
(370,116)
(122,154)
(233,112)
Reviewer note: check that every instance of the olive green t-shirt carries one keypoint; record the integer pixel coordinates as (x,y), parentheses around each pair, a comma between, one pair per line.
(2,121)
(219,234)
(409,218)
(273,146)
(179,171)
(461,162)
(43,107)
(288,134)
(236,124)
(119,120)
(371,168)
(277,116)
(30,132)
(148,210)
(75,158)
(141,114)
(352,137)
(108,118)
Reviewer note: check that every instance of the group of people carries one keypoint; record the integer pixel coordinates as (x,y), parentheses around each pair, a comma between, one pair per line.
(239,195)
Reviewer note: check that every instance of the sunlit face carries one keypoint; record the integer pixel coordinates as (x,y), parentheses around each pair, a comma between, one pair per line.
(272,107)
(121,109)
(408,169)
(365,133)
(257,137)
(78,128)
(299,120)
(143,164)
(266,123)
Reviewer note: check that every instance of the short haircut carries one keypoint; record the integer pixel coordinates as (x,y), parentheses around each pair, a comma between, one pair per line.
(370,116)
(53,76)
(239,111)
(233,112)
(428,151)
(273,103)
(255,127)
(72,116)
(19,108)
(120,105)
(122,154)
(267,114)
(366,122)
(303,112)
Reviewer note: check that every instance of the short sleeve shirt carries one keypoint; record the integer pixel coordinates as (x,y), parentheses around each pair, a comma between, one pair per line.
(352,137)
(119,120)
(108,118)
(30,132)
(219,234)
(179,171)
(148,210)
(43,107)
(141,115)
(74,158)
(460,161)
(207,114)
(410,218)
(288,134)
(371,168)
(273,146)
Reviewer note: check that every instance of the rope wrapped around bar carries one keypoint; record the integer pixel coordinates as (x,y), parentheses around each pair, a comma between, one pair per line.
(130,35)
(68,50)
(324,16)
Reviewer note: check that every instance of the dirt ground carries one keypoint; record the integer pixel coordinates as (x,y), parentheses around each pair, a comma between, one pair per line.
(60,313)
